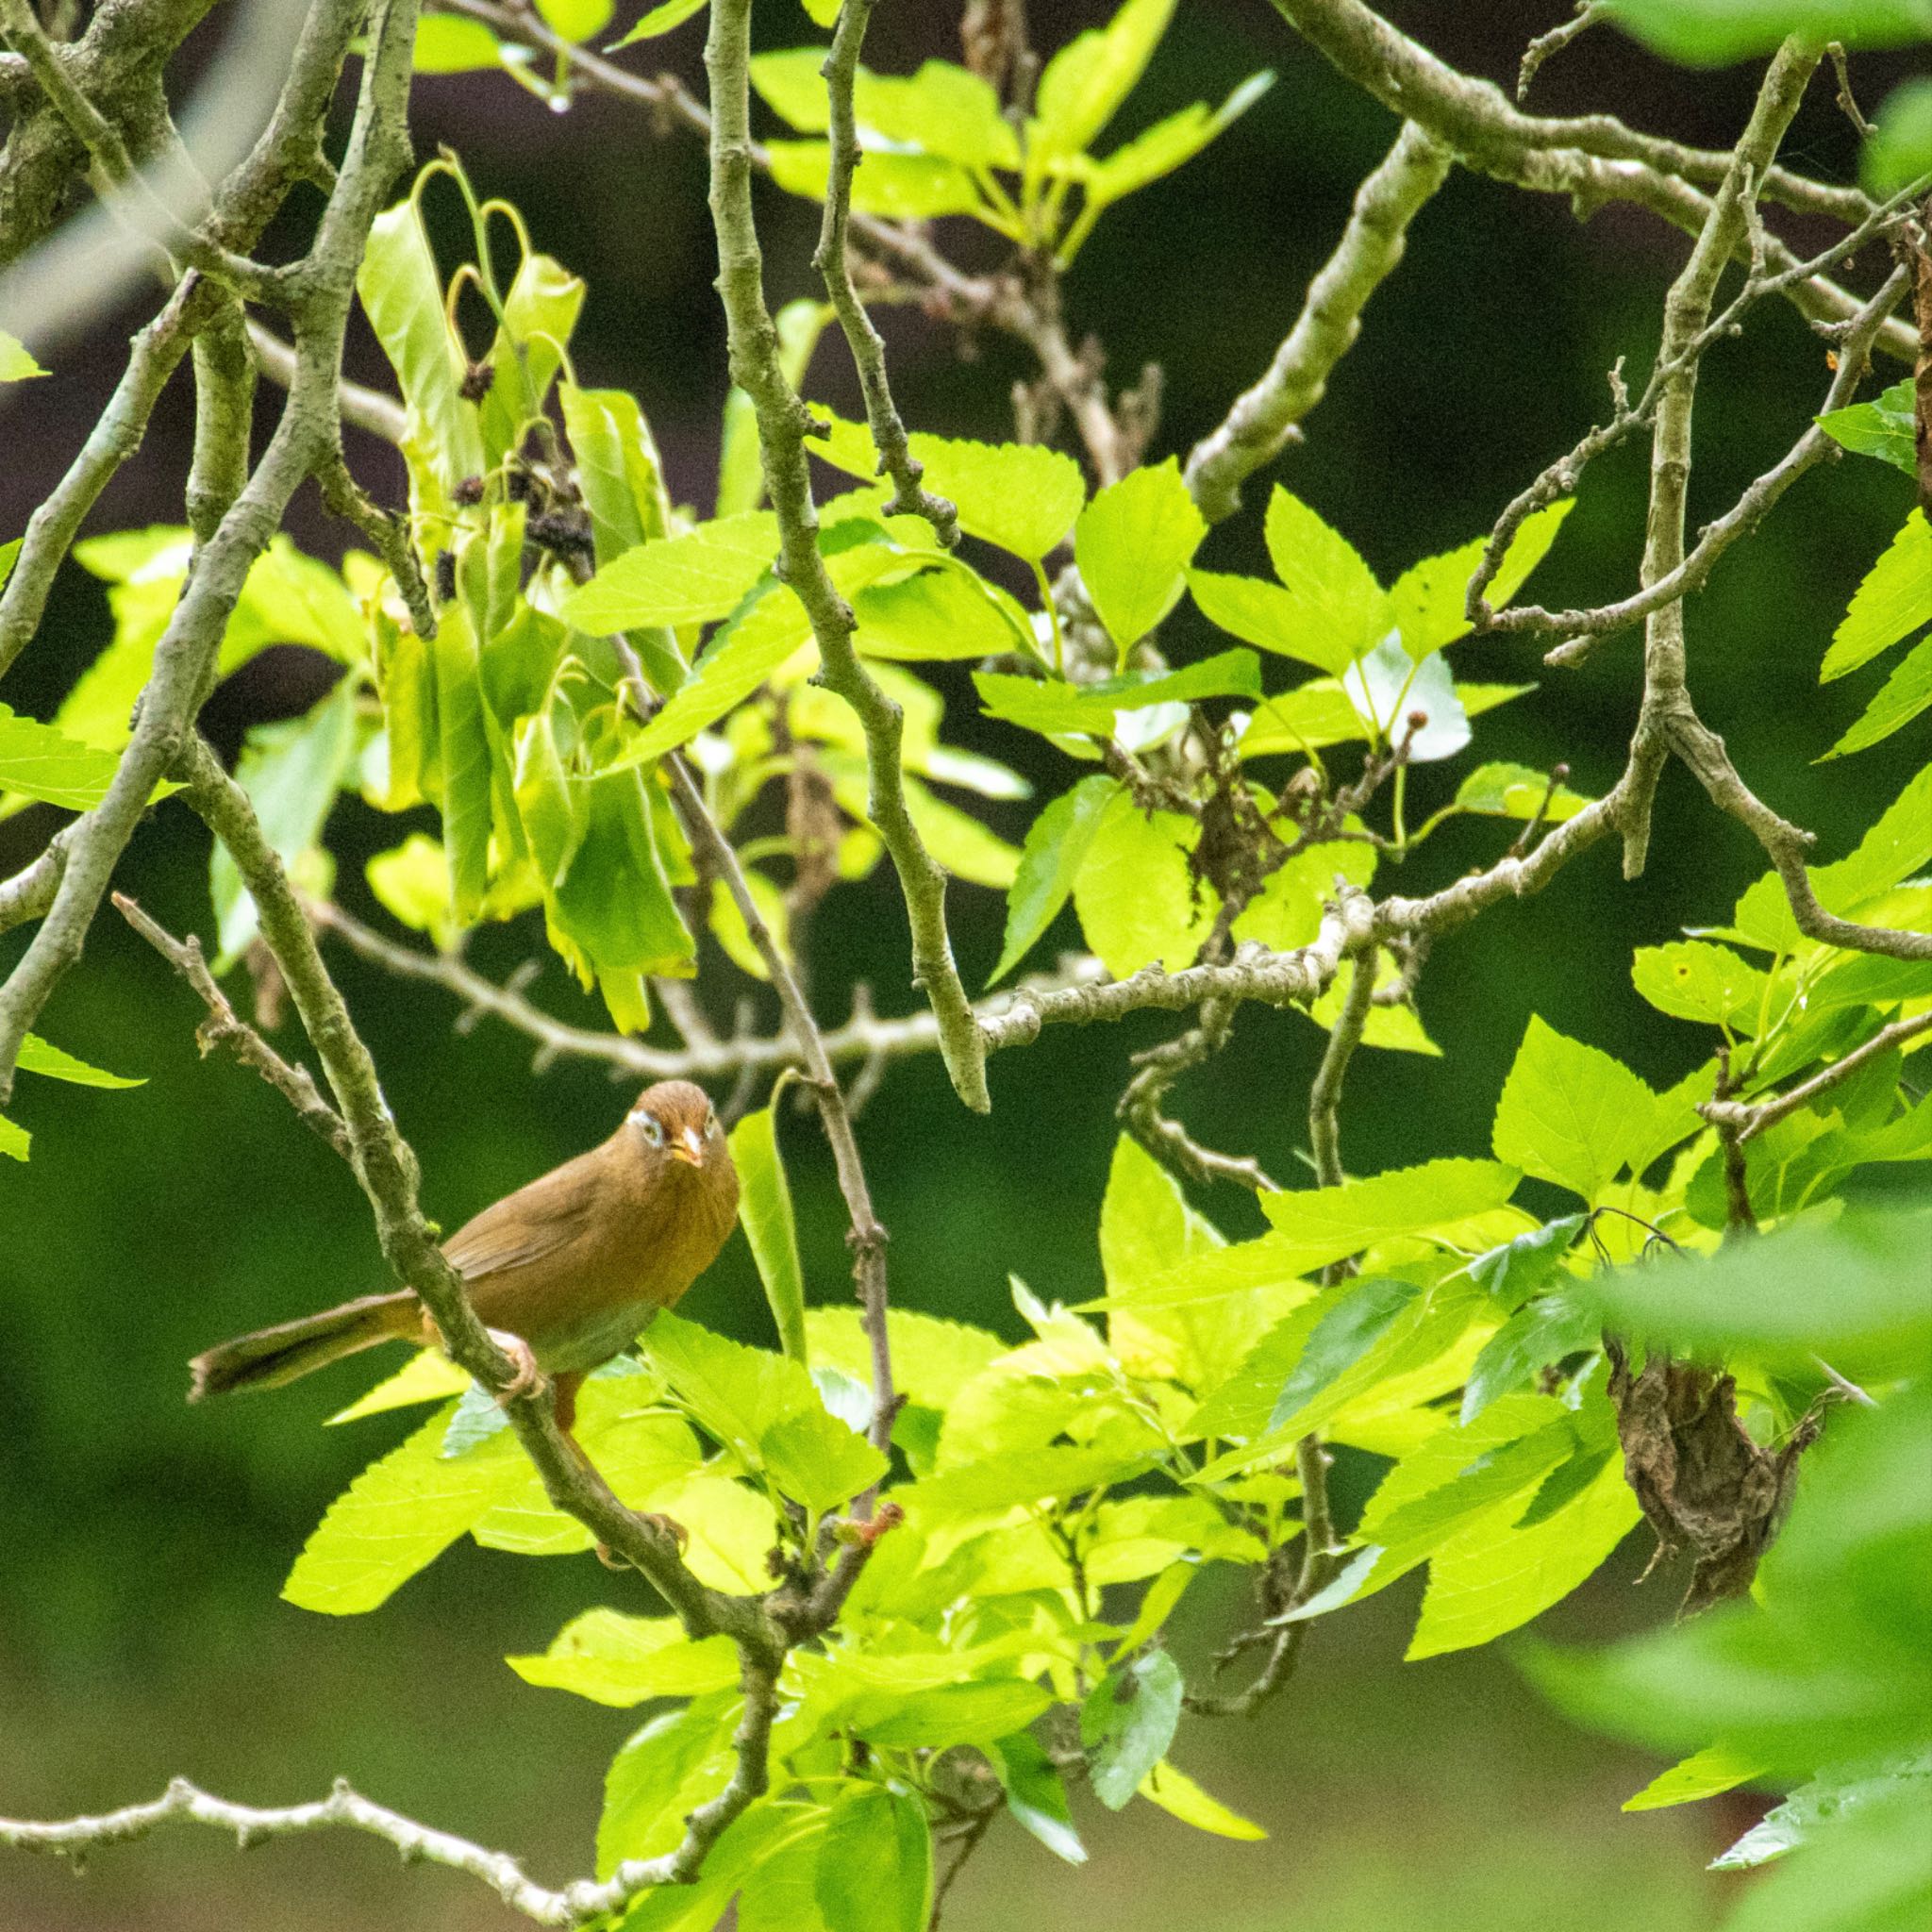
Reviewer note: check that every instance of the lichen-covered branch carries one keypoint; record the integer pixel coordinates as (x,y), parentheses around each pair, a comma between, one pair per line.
(1590,159)
(833,264)
(1264,418)
(784,423)
(320,287)
(1274,979)
(1686,308)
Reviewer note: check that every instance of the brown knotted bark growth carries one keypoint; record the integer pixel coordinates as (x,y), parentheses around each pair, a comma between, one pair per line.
(1706,1485)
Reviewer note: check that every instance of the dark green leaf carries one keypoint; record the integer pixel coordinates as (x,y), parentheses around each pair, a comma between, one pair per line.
(764,1211)
(875,1870)
(1036,1798)
(1050,862)
(1881,428)
(1526,1265)
(1541,1332)
(1127,1723)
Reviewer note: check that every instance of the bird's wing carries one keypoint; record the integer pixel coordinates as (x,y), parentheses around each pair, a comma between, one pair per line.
(538,1220)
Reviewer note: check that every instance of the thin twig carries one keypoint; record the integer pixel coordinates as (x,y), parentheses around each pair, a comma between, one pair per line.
(226,1028)
(1748,1119)
(1586,15)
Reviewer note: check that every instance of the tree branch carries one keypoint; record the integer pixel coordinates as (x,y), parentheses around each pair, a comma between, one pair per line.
(783,424)
(1591,159)
(1263,419)
(1750,1118)
(832,260)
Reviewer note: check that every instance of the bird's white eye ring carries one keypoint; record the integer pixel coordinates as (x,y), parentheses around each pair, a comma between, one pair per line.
(710,1122)
(653,1127)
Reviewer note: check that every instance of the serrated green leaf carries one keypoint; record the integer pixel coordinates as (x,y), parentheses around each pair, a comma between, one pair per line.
(1346,607)
(895,186)
(1133,543)
(14,1140)
(932,1358)
(1518,791)
(945,613)
(1022,496)
(427,1376)
(1429,601)
(1135,894)
(736,1393)
(38,1056)
(1692,979)
(40,761)
(1568,1111)
(1088,79)
(1881,428)
(875,1870)
(1892,600)
(1168,145)
(818,1460)
(674,1763)
(692,578)
(1904,695)
(1262,613)
(1541,1332)
(16,363)
(1036,1798)
(1525,1265)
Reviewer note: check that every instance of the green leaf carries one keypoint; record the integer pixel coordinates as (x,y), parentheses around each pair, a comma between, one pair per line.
(403,295)
(450,43)
(1870,1870)
(819,1461)
(1703,1775)
(1262,613)
(39,761)
(660,20)
(1569,1113)
(944,108)
(1168,145)
(575,20)
(16,363)
(1135,894)
(1051,706)
(1127,1723)
(764,1211)
(618,468)
(1768,1302)
(1022,496)
(613,1659)
(411,882)
(1493,1577)
(1088,79)
(932,1360)
(1132,544)
(1345,609)
(291,772)
(949,1715)
(1353,1318)
(1692,979)
(1541,1332)
(1524,1266)
(14,1140)
(1899,149)
(1429,600)
(1178,1795)
(689,579)
(1713,33)
(1391,690)
(465,759)
(946,613)
(396,1517)
(1335,1223)
(38,1056)
(1320,712)
(1815,1811)
(673,1764)
(875,1872)
(1905,693)
(895,186)
(1036,1798)
(1881,428)
(1517,791)
(1050,861)
(1892,600)
(736,1393)
(427,1376)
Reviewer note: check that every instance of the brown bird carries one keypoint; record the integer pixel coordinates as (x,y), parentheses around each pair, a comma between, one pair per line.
(564,1272)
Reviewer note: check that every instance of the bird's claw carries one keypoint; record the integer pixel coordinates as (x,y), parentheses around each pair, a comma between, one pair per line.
(528,1378)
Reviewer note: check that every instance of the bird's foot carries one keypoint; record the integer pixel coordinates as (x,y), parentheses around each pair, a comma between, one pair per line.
(528,1378)
(665,1525)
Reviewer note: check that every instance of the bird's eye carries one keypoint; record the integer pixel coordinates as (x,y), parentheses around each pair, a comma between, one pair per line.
(710,1122)
(653,1128)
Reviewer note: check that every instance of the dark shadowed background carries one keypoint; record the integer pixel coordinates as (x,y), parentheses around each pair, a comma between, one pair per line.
(142,1544)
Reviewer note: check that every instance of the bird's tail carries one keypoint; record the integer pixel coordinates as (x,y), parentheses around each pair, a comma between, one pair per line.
(271,1357)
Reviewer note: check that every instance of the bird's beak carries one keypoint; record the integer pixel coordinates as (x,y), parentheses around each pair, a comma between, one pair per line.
(688,1147)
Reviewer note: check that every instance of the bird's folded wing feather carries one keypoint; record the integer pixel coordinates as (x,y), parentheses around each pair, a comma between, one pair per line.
(548,1215)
